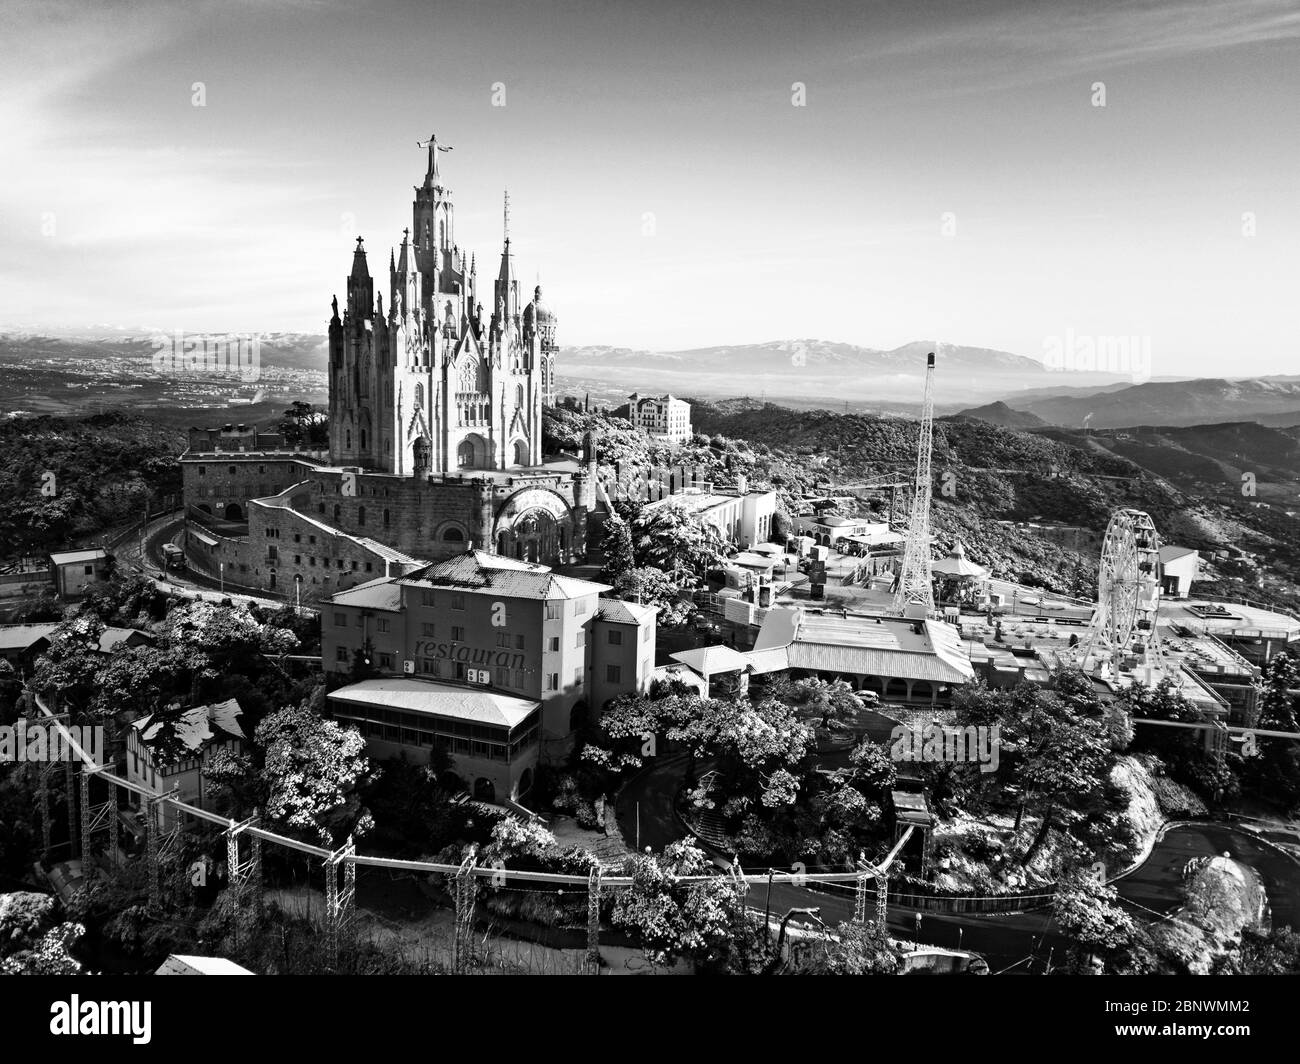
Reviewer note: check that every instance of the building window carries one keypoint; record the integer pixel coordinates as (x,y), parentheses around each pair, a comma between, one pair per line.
(646,633)
(615,637)
(577,676)
(426,598)
(426,628)
(340,620)
(503,639)
(502,677)
(581,606)
(361,515)
(385,518)
(519,642)
(554,644)
(580,640)
(457,634)
(383,624)
(341,654)
(554,610)
(613,674)
(297,559)
(385,661)
(453,535)
(203,471)
(458,600)
(552,681)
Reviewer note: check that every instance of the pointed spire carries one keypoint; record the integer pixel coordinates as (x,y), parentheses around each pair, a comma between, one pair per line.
(404,263)
(507,216)
(359,268)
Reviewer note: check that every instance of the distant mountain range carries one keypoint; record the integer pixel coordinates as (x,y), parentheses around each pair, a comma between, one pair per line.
(1272,401)
(59,373)
(823,370)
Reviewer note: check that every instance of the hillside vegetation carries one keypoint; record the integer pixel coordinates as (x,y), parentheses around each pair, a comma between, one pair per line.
(65,479)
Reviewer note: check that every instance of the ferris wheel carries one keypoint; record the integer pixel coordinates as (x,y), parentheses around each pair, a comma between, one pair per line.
(1128,592)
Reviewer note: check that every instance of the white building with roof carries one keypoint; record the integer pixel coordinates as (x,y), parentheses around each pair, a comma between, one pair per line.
(902,660)
(76,571)
(663,416)
(498,628)
(743,517)
(1179,566)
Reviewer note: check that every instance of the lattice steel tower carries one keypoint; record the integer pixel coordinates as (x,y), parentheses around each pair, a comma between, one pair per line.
(915,594)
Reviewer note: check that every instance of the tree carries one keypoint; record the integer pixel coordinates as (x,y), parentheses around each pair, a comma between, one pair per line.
(856,948)
(1088,912)
(305,425)
(651,587)
(69,664)
(1274,773)
(669,918)
(671,538)
(313,772)
(1182,750)
(51,956)
(616,546)
(831,702)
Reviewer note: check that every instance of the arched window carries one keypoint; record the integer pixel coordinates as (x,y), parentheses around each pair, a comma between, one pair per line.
(419,395)
(336,511)
(521,452)
(363,439)
(465,455)
(453,535)
(519,395)
(361,515)
(385,518)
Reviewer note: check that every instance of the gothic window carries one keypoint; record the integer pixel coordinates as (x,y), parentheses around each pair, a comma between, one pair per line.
(465,455)
(519,395)
(419,396)
(361,515)
(348,436)
(385,518)
(469,376)
(442,234)
(453,535)
(363,439)
(521,452)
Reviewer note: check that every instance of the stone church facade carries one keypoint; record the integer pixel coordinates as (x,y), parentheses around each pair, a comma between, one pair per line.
(435,434)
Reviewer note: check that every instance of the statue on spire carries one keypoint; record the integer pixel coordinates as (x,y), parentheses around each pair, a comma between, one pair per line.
(434,147)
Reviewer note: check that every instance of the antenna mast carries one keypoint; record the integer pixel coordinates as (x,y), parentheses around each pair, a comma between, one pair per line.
(915,594)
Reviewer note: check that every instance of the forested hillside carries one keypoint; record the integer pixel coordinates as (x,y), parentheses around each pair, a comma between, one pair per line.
(62,479)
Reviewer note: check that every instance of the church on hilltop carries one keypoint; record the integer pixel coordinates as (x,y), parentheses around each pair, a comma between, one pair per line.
(435,433)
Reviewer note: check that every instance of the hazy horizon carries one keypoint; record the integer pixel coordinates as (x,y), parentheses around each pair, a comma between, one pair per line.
(662,183)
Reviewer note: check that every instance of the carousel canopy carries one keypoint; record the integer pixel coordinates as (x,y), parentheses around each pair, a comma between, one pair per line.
(956,564)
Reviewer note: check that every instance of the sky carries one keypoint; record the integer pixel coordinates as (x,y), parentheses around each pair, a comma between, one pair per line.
(681,174)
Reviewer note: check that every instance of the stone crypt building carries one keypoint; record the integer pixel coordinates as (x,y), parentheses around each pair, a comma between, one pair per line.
(435,433)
